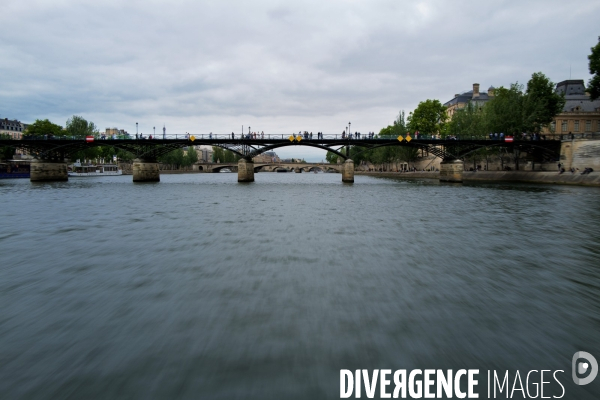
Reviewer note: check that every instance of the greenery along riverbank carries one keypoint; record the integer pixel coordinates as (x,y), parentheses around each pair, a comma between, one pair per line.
(513,111)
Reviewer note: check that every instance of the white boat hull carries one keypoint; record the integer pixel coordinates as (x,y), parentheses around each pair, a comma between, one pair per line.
(112,173)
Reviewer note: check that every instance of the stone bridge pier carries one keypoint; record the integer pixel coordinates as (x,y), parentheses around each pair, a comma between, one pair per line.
(245,170)
(48,171)
(348,171)
(451,170)
(145,170)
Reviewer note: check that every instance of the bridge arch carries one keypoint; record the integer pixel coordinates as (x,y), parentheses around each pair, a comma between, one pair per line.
(221,167)
(264,149)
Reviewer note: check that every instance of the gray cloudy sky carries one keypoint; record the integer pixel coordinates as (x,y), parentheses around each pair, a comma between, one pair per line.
(280,67)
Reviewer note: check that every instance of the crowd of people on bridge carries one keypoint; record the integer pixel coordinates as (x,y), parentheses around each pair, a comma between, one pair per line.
(251,135)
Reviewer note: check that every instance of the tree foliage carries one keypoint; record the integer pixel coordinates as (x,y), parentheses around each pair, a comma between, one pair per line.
(504,113)
(428,118)
(79,127)
(6,152)
(224,156)
(468,122)
(513,110)
(382,155)
(594,83)
(541,103)
(331,157)
(191,156)
(175,158)
(44,127)
(179,158)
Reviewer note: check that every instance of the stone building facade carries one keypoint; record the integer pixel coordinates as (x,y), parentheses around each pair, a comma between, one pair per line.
(580,114)
(267,157)
(13,128)
(205,153)
(474,96)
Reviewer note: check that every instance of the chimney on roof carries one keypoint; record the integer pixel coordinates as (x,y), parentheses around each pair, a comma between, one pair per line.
(475,90)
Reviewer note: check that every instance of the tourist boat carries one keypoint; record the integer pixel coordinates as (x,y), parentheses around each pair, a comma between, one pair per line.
(14,169)
(78,169)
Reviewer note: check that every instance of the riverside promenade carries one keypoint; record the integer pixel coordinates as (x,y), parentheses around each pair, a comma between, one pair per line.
(566,178)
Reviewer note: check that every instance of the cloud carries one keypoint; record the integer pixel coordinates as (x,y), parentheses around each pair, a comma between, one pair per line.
(283,66)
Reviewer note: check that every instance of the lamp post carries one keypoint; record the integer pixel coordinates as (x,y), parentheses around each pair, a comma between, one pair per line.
(136,129)
(154,128)
(349,133)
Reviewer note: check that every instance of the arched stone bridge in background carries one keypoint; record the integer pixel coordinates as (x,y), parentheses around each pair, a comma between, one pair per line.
(50,154)
(271,167)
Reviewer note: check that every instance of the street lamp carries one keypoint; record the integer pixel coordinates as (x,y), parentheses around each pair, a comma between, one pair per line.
(136,129)
(154,128)
(349,129)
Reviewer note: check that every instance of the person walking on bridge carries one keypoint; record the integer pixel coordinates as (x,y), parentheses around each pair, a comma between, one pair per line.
(232,135)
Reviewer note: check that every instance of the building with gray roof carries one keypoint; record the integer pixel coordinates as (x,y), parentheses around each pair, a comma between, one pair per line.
(474,96)
(580,114)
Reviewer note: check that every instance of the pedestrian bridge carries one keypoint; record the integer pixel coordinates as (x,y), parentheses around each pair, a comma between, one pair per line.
(51,154)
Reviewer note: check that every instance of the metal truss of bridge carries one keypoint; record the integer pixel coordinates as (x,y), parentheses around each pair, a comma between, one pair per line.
(50,154)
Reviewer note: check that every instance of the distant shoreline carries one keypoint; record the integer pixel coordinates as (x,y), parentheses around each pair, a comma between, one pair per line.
(566,178)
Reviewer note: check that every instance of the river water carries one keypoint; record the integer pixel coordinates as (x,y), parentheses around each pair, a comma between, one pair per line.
(200,287)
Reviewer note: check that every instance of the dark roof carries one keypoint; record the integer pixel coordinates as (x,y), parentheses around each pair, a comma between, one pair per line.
(466,97)
(582,101)
(573,86)
(575,96)
(5,122)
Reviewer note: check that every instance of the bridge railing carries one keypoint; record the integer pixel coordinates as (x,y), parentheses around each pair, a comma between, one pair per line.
(271,137)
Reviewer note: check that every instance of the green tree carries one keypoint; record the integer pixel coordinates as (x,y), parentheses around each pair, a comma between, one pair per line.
(513,110)
(224,156)
(504,113)
(218,154)
(428,118)
(44,127)
(468,122)
(6,152)
(174,159)
(400,126)
(191,156)
(594,83)
(331,157)
(541,103)
(79,127)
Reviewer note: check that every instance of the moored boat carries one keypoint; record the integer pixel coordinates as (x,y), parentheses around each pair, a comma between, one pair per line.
(14,169)
(80,170)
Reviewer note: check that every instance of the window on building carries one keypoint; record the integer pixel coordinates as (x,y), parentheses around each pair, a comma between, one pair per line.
(588,126)
(563,126)
(576,128)
(553,126)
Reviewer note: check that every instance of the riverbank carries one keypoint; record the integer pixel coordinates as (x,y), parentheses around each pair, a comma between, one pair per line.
(592,179)
(166,172)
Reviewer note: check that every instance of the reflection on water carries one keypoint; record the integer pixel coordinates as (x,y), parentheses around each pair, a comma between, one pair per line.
(198,287)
